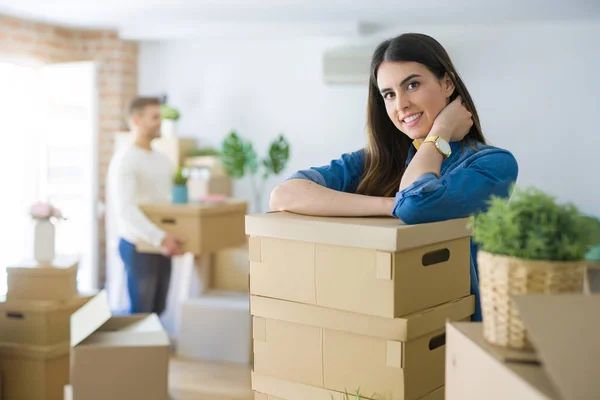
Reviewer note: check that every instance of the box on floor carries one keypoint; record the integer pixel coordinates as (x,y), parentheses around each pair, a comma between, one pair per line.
(231,269)
(117,358)
(400,359)
(216,327)
(38,322)
(29,280)
(32,372)
(565,365)
(204,227)
(269,388)
(397,269)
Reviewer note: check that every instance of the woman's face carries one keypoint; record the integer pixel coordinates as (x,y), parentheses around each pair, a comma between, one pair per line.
(413,96)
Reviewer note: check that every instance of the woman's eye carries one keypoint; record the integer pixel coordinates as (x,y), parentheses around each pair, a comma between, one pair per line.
(412,86)
(388,95)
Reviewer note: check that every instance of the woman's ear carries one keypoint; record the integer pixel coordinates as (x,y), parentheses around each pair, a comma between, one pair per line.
(448,84)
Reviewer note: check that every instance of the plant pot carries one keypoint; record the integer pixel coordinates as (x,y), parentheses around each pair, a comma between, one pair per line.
(500,277)
(179,194)
(168,128)
(43,241)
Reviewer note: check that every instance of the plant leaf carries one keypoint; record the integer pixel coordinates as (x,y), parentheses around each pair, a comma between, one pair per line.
(233,155)
(533,225)
(251,157)
(278,156)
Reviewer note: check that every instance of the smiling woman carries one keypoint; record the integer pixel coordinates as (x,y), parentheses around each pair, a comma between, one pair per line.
(426,159)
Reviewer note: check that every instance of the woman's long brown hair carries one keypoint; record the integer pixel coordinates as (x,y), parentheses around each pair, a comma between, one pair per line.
(387,151)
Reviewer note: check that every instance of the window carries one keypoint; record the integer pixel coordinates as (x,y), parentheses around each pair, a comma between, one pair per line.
(49,153)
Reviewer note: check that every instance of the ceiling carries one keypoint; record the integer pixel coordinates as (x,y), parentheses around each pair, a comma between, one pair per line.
(165,19)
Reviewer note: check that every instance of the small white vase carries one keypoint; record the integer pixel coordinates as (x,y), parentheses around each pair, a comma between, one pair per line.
(43,242)
(167,128)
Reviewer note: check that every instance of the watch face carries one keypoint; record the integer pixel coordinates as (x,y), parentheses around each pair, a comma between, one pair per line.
(444,146)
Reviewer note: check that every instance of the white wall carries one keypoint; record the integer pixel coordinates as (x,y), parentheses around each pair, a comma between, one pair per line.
(535,85)
(260,88)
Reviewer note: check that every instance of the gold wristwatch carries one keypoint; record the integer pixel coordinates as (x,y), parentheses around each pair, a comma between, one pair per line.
(442,146)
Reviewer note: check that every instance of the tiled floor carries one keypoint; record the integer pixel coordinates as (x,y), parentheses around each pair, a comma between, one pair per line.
(195,380)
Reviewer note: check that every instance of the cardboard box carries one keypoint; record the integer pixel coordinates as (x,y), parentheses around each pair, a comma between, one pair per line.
(212,164)
(38,322)
(231,269)
(117,358)
(399,359)
(199,188)
(175,148)
(565,366)
(216,327)
(204,227)
(34,372)
(33,281)
(397,269)
(591,280)
(269,388)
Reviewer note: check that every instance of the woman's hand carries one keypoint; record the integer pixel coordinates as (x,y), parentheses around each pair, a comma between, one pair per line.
(453,122)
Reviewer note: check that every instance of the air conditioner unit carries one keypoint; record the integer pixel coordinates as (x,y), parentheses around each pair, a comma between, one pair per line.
(348,65)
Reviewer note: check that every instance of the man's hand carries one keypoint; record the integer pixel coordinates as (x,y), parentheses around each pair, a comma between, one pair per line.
(171,245)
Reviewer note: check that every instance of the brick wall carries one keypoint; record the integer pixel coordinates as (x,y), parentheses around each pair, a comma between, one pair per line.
(117,80)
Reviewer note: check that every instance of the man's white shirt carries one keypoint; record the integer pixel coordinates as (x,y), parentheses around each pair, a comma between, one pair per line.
(135,176)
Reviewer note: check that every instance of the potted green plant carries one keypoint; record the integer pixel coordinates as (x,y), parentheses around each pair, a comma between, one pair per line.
(170,115)
(528,244)
(240,159)
(179,190)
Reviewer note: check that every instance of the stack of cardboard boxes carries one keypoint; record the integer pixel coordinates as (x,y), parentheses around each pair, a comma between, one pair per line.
(206,177)
(342,305)
(35,329)
(216,324)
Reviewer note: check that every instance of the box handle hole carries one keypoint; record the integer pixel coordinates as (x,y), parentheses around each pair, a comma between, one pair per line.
(168,221)
(437,341)
(14,315)
(435,257)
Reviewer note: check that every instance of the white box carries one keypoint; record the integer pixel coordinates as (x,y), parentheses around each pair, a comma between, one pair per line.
(216,327)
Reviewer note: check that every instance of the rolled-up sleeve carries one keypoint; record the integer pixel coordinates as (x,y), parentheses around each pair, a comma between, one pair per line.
(462,192)
(342,174)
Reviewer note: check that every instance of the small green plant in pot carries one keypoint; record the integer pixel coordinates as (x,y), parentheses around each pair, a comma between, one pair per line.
(528,244)
(179,190)
(170,115)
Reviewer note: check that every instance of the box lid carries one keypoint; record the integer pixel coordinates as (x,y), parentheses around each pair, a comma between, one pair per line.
(197,209)
(43,305)
(522,369)
(401,329)
(62,265)
(381,233)
(564,329)
(89,318)
(137,330)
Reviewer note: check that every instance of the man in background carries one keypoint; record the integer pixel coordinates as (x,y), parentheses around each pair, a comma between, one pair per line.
(140,175)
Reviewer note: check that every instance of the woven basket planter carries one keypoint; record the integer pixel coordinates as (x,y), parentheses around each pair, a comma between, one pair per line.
(500,277)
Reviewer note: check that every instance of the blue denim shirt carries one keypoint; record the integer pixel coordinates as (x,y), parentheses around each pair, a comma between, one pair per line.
(468,178)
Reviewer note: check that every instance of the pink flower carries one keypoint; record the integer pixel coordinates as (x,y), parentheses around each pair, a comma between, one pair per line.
(41,210)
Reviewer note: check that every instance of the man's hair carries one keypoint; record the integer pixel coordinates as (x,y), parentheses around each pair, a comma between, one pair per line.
(140,103)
